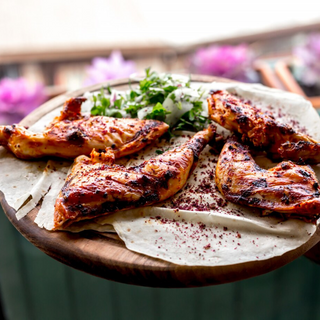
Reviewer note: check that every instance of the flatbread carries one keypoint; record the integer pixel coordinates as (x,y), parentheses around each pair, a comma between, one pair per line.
(196,226)
(18,178)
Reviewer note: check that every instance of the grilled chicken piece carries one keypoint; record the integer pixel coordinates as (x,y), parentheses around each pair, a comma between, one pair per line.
(288,188)
(96,186)
(280,141)
(73,134)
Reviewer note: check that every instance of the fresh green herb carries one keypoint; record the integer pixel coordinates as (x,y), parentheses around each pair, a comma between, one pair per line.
(153,91)
(158,112)
(109,89)
(162,151)
(100,103)
(132,109)
(103,106)
(118,103)
(193,119)
(172,97)
(115,113)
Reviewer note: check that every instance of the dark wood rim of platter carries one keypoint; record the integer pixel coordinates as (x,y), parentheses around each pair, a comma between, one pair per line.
(105,255)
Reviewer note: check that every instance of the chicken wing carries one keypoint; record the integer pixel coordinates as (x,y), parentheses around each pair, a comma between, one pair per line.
(96,186)
(73,134)
(280,141)
(288,188)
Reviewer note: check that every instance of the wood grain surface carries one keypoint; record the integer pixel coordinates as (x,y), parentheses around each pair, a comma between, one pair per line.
(106,255)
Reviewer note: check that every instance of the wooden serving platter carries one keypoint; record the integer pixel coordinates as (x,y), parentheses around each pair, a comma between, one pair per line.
(107,257)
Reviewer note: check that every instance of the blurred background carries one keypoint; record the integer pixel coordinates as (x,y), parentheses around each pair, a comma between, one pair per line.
(50,47)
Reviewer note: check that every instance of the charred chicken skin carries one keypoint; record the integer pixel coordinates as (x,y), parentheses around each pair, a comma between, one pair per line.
(280,141)
(288,188)
(96,186)
(73,134)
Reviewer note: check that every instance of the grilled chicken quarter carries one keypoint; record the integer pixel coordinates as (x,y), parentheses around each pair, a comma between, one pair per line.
(96,186)
(288,188)
(73,134)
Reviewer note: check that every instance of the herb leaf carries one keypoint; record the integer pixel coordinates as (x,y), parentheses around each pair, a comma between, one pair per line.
(158,112)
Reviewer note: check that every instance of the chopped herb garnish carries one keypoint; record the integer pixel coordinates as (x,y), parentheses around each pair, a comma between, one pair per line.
(159,97)
(158,112)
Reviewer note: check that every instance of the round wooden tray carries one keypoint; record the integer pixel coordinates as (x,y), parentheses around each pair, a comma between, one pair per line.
(106,255)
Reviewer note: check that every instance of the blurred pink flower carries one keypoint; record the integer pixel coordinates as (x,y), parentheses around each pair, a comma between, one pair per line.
(308,55)
(114,67)
(233,62)
(18,98)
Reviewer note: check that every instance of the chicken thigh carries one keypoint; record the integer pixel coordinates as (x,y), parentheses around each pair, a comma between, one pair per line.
(287,188)
(73,134)
(96,186)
